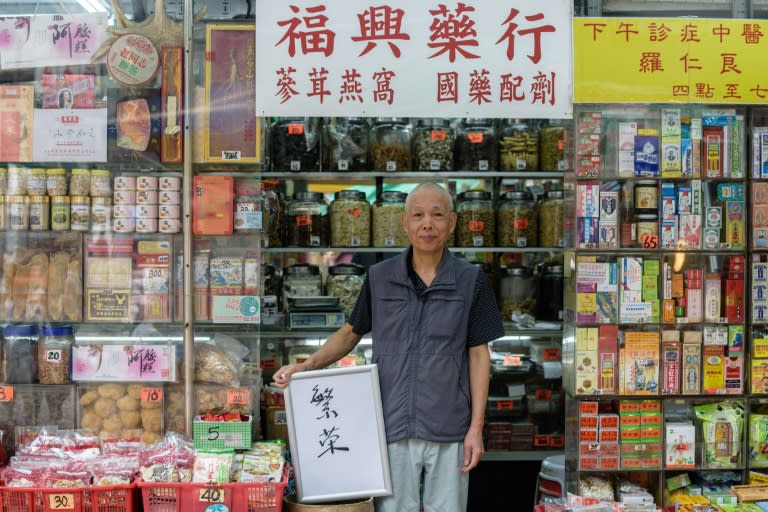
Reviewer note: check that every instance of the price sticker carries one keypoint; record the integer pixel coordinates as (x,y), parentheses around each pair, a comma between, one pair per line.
(151,395)
(53,356)
(6,393)
(512,361)
(211,495)
(238,396)
(505,405)
(650,241)
(543,394)
(61,501)
(475,137)
(551,354)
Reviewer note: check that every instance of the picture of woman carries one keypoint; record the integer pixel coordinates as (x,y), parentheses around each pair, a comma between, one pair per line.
(65,98)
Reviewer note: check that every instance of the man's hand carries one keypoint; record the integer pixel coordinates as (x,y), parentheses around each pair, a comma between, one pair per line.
(473,449)
(283,376)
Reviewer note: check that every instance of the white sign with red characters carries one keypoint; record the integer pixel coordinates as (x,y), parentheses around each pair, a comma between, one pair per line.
(403,58)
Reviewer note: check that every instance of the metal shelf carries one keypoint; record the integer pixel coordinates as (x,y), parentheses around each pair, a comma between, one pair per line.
(288,250)
(527,455)
(419,175)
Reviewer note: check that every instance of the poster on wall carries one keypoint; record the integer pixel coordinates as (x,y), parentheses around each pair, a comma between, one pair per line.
(471,58)
(73,135)
(50,39)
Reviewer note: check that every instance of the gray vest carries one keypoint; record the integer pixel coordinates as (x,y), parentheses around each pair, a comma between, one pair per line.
(420,347)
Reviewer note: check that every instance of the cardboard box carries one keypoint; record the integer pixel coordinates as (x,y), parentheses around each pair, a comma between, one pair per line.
(213,205)
(671,367)
(691,376)
(641,363)
(607,348)
(714,370)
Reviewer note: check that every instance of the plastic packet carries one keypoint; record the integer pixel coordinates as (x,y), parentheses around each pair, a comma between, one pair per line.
(721,424)
(264,462)
(758,440)
(212,467)
(113,470)
(594,486)
(215,365)
(157,463)
(25,474)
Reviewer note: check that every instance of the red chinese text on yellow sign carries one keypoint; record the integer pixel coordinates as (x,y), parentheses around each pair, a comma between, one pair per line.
(669,60)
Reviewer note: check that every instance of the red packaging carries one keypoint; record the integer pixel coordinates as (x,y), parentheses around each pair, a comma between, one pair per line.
(213,205)
(67,90)
(671,355)
(734,300)
(608,349)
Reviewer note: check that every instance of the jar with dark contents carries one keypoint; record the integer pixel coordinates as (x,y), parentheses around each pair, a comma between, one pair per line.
(307,220)
(20,354)
(274,216)
(295,144)
(476,219)
(345,144)
(518,147)
(517,292)
(549,306)
(476,146)
(271,295)
(387,216)
(552,147)
(350,219)
(433,141)
(301,280)
(390,145)
(345,282)
(551,219)
(517,221)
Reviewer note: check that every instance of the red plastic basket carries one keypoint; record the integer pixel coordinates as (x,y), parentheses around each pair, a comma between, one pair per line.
(190,497)
(115,498)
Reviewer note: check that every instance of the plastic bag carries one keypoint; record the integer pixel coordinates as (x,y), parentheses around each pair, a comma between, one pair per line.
(721,425)
(213,364)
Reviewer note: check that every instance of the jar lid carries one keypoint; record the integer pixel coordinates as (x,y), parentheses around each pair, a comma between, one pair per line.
(555,194)
(100,172)
(516,271)
(302,269)
(356,195)
(347,269)
(80,172)
(516,196)
(81,199)
(554,268)
(101,201)
(60,200)
(393,197)
(646,216)
(516,123)
(391,120)
(316,197)
(36,171)
(478,120)
(56,172)
(57,330)
(20,330)
(474,194)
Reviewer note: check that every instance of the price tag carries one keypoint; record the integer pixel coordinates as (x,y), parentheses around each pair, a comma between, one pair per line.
(650,241)
(543,394)
(505,405)
(295,129)
(211,495)
(53,356)
(551,354)
(238,396)
(151,395)
(61,501)
(6,393)
(475,137)
(512,361)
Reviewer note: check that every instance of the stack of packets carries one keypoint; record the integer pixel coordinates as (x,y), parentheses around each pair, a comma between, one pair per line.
(693,492)
(588,146)
(759,360)
(622,494)
(759,287)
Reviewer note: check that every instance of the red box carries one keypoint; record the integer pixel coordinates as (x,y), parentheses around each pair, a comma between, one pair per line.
(591,462)
(631,463)
(589,422)
(588,436)
(556,441)
(213,205)
(608,354)
(588,408)
(608,436)
(632,420)
(629,406)
(650,406)
(650,419)
(609,449)
(589,449)
(734,300)
(630,435)
(609,421)
(609,462)
(671,361)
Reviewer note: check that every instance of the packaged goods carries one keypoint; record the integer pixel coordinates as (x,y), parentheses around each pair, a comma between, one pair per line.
(55,354)
(475,226)
(518,147)
(295,144)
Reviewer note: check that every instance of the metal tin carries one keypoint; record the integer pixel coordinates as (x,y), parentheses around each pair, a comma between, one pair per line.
(124,197)
(647,226)
(101,214)
(36,182)
(170,225)
(80,213)
(124,225)
(169,183)
(169,197)
(146,225)
(146,183)
(146,197)
(125,183)
(146,211)
(169,211)
(60,213)
(124,211)
(39,213)
(18,212)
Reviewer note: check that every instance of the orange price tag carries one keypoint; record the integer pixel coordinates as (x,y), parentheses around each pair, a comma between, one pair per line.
(268,364)
(543,394)
(238,396)
(6,393)
(650,241)
(151,395)
(512,361)
(475,137)
(303,220)
(438,135)
(551,354)
(61,501)
(295,129)
(476,226)
(505,405)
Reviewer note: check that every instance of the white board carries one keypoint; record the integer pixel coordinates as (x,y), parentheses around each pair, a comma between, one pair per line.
(336,429)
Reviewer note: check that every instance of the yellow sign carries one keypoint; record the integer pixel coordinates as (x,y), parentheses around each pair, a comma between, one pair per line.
(669,60)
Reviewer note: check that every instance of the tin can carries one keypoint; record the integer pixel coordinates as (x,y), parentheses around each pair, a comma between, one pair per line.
(18,212)
(124,197)
(101,214)
(39,213)
(124,211)
(646,197)
(125,183)
(647,229)
(146,197)
(169,211)
(80,213)
(146,211)
(170,225)
(60,213)
(169,197)
(124,225)
(146,225)
(170,183)
(146,183)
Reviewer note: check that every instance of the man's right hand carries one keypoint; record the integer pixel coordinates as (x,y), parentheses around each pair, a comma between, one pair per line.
(282,376)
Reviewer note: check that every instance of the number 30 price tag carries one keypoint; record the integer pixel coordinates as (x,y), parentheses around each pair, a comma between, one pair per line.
(61,501)
(6,393)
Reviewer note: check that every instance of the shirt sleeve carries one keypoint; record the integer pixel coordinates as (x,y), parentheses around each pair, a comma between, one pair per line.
(485,323)
(360,319)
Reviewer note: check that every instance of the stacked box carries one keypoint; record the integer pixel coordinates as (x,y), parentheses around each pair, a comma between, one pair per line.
(632,307)
(626,148)
(760,152)
(671,353)
(671,143)
(759,206)
(640,434)
(586,362)
(588,214)
(759,292)
(640,363)
(596,292)
(598,438)
(680,447)
(647,152)
(608,237)
(608,358)
(691,368)
(588,147)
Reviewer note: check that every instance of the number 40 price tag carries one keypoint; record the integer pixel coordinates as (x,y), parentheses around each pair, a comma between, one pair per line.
(212,495)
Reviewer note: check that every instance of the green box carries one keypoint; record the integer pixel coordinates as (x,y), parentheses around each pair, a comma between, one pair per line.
(651,267)
(222,435)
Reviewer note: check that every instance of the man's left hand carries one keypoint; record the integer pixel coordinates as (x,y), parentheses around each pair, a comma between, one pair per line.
(473,449)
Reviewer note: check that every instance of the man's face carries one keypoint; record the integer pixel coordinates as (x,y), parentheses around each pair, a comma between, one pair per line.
(429,222)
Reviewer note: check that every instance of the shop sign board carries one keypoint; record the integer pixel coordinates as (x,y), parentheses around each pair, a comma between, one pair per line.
(50,39)
(73,135)
(669,60)
(399,58)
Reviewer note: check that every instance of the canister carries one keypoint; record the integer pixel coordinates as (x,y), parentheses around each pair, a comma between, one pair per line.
(146,225)
(60,213)
(39,213)
(146,183)
(646,197)
(80,213)
(124,197)
(169,225)
(37,182)
(125,183)
(169,183)
(169,197)
(16,184)
(18,212)
(146,197)
(80,182)
(647,226)
(101,214)
(169,211)
(100,183)
(124,225)
(56,182)
(124,211)
(146,211)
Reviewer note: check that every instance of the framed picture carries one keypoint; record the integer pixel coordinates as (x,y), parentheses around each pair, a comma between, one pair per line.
(336,433)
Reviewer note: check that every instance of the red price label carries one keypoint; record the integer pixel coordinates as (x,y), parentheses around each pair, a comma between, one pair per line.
(6,393)
(512,361)
(543,394)
(303,220)
(295,129)
(475,137)
(650,241)
(151,395)
(238,396)
(476,226)
(438,135)
(505,405)
(551,354)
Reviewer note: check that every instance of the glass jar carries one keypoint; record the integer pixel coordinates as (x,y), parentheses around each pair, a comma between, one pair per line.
(16,184)
(345,282)
(56,182)
(518,147)
(54,354)
(36,182)
(101,183)
(80,182)
(39,213)
(433,141)
(646,197)
(517,292)
(552,147)
(295,144)
(517,221)
(551,219)
(276,213)
(476,146)
(20,354)
(307,220)
(391,144)
(248,218)
(350,219)
(3,181)
(301,352)
(549,306)
(60,211)
(301,280)
(647,227)
(271,280)
(17,208)
(476,219)
(387,220)
(345,144)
